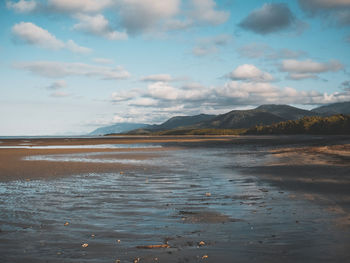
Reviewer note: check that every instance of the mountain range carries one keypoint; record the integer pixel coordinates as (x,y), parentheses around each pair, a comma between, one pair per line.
(236,119)
(119,128)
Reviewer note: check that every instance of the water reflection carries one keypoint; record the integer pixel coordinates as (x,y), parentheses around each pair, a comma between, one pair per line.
(186,196)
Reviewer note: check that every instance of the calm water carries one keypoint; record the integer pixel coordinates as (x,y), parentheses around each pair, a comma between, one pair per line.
(182,197)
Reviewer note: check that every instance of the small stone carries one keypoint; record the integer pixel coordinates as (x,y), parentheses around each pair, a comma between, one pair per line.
(92,235)
(118,241)
(208,194)
(205,257)
(117,261)
(66,224)
(85,245)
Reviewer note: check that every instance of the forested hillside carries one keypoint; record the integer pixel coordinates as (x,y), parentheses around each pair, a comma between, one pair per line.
(336,124)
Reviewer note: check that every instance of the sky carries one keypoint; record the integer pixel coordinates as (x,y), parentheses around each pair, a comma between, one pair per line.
(70,66)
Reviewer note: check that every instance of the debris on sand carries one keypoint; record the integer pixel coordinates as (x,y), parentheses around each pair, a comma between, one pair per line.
(205,257)
(154,246)
(202,243)
(136,260)
(264,190)
(118,241)
(66,223)
(208,194)
(117,261)
(85,245)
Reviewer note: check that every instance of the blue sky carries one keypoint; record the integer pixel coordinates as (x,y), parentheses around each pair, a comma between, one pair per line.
(69,66)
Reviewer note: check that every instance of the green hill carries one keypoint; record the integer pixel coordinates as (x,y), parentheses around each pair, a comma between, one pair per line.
(335,108)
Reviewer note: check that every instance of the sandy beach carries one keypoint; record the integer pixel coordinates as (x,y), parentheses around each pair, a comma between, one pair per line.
(175,199)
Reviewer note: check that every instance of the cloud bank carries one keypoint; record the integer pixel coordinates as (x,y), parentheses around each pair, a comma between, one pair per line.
(32,34)
(303,69)
(53,69)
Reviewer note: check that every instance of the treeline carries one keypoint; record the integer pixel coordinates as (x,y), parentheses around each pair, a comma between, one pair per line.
(336,124)
(201,132)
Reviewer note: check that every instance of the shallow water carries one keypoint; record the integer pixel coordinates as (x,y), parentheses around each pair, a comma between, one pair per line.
(93,146)
(183,197)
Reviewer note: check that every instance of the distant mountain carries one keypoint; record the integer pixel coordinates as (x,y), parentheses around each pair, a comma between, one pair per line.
(335,108)
(182,121)
(286,112)
(119,128)
(238,119)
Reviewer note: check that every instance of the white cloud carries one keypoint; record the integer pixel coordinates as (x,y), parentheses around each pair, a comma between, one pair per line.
(120,119)
(74,47)
(265,93)
(59,94)
(74,6)
(103,60)
(98,25)
(201,51)
(52,69)
(133,16)
(22,6)
(211,45)
(124,95)
(298,69)
(261,50)
(300,76)
(157,78)
(147,16)
(32,34)
(145,102)
(144,15)
(204,12)
(250,72)
(177,24)
(161,90)
(247,90)
(59,84)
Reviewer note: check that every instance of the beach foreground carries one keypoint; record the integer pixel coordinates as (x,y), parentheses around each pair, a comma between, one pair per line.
(175,199)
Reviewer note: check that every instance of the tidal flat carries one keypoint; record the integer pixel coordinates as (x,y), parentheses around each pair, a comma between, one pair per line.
(175,199)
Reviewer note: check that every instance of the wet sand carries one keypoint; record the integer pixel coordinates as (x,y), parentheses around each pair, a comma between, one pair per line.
(317,173)
(192,199)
